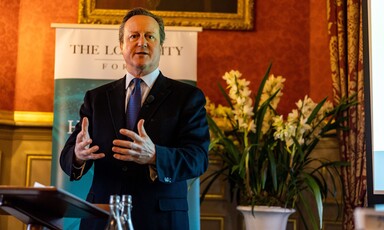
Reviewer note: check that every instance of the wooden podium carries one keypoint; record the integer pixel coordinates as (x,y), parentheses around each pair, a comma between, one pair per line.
(45,207)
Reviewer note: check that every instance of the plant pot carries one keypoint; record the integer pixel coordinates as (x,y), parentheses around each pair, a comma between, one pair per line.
(265,217)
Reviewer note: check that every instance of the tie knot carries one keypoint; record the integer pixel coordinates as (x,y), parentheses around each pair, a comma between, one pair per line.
(136,86)
(136,81)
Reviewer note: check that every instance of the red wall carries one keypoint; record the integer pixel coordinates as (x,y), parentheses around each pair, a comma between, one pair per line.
(292,35)
(8,52)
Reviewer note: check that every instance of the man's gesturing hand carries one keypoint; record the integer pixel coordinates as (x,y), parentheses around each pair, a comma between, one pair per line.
(82,150)
(140,150)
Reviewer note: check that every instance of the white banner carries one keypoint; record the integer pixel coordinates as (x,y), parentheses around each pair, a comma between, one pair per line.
(93,52)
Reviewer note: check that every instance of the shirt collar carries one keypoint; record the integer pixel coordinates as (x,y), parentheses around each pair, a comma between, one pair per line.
(149,79)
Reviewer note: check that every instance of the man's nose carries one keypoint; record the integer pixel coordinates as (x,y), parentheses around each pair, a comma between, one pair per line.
(142,42)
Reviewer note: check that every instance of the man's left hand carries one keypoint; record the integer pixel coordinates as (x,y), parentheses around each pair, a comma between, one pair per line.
(140,150)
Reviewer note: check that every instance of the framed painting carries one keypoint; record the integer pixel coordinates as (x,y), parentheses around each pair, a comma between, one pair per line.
(208,14)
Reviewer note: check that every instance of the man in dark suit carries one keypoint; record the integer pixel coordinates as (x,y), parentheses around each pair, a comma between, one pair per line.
(152,160)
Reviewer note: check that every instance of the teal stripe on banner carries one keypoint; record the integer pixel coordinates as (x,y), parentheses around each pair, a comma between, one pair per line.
(69,94)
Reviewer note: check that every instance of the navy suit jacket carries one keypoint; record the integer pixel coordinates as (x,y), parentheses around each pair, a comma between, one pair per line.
(175,120)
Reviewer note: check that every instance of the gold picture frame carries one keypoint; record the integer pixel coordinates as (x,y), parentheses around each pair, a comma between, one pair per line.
(238,17)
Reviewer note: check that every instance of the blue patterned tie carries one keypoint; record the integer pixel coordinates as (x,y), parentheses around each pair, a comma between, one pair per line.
(134,104)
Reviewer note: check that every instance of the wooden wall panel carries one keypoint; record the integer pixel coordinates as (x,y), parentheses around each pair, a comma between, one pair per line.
(25,158)
(38,169)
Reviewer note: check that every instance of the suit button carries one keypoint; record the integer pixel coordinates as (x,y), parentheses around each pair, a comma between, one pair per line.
(125,168)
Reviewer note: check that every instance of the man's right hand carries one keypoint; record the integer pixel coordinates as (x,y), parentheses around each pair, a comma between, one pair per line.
(82,150)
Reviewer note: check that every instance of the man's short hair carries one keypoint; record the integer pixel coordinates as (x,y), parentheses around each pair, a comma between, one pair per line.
(141,11)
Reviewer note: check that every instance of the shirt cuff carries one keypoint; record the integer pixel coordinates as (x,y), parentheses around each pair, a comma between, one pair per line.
(152,172)
(77,171)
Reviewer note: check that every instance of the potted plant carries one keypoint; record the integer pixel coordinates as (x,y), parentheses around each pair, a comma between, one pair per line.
(267,158)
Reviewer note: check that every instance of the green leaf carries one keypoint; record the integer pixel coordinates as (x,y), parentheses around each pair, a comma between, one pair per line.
(272,163)
(261,87)
(314,187)
(308,211)
(227,98)
(316,111)
(264,173)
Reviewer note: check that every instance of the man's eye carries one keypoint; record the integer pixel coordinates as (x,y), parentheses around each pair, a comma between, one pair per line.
(133,36)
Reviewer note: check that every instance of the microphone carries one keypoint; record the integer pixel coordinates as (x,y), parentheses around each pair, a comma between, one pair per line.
(150,99)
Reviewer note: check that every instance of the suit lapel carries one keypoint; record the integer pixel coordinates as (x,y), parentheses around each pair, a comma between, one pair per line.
(116,104)
(160,90)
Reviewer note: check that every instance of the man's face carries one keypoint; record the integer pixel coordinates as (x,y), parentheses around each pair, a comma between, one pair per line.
(141,45)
